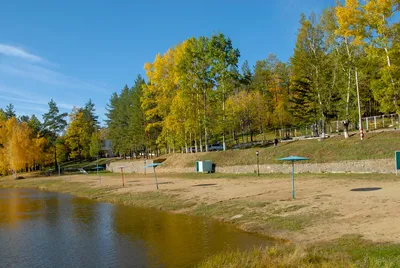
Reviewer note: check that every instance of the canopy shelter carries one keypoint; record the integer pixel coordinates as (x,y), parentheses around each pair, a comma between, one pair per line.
(154,165)
(293,159)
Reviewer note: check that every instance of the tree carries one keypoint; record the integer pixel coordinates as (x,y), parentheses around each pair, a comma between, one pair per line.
(95,144)
(83,123)
(23,118)
(54,123)
(35,125)
(89,115)
(223,69)
(382,48)
(351,30)
(311,72)
(10,112)
(77,136)
(137,121)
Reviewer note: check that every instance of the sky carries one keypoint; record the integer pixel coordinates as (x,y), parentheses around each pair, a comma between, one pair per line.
(73,51)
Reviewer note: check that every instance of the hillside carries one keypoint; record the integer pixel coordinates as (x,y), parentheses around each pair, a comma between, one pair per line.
(377,145)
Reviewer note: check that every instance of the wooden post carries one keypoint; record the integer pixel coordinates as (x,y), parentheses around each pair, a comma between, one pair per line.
(383,121)
(375,121)
(122,173)
(155,176)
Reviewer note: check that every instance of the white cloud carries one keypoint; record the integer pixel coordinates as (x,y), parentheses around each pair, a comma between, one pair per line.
(19,53)
(47,76)
(25,97)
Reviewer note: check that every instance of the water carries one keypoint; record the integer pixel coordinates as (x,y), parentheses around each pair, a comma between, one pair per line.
(43,229)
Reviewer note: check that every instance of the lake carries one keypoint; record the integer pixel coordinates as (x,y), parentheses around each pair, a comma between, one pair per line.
(45,229)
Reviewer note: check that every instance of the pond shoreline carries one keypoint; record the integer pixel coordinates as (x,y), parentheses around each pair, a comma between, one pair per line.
(239,200)
(148,200)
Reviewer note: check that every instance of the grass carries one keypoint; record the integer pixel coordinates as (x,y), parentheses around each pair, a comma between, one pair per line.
(348,251)
(376,145)
(357,249)
(277,256)
(86,163)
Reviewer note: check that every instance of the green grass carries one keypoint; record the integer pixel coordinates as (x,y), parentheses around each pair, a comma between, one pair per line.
(377,145)
(276,256)
(364,252)
(295,222)
(348,251)
(86,163)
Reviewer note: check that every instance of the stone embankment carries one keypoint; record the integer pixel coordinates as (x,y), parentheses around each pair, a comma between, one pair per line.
(359,166)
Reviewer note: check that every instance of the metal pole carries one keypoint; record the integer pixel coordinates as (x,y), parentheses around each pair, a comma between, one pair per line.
(155,176)
(59,171)
(258,167)
(293,196)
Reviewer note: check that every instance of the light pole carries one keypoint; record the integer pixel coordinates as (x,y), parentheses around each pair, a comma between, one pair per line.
(258,164)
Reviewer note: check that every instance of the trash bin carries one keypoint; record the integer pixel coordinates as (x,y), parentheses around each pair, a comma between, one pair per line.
(204,166)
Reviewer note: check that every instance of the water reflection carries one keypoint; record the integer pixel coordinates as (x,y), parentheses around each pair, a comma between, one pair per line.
(42,229)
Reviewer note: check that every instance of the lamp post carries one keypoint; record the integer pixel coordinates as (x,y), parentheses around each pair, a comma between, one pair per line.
(258,164)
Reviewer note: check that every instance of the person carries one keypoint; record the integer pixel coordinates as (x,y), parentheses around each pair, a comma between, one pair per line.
(275,142)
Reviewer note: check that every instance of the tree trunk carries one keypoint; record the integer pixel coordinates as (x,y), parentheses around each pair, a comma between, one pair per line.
(205,120)
(55,157)
(359,107)
(223,119)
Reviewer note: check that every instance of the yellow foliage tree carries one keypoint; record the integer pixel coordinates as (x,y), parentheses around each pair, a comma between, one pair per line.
(19,149)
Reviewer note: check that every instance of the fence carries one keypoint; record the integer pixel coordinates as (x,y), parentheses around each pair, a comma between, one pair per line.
(368,124)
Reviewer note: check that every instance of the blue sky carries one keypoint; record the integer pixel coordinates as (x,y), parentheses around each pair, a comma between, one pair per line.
(75,50)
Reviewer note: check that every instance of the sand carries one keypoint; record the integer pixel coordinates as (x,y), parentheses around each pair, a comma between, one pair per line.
(337,210)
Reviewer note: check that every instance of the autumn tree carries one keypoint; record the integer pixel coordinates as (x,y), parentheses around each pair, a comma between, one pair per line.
(95,144)
(382,47)
(351,31)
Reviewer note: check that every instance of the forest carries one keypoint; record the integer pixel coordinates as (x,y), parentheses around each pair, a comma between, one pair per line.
(345,66)
(27,144)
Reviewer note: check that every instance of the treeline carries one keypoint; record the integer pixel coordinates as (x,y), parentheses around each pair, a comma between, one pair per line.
(345,66)
(27,144)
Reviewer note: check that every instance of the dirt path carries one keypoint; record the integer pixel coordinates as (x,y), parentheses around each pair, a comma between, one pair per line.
(324,208)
